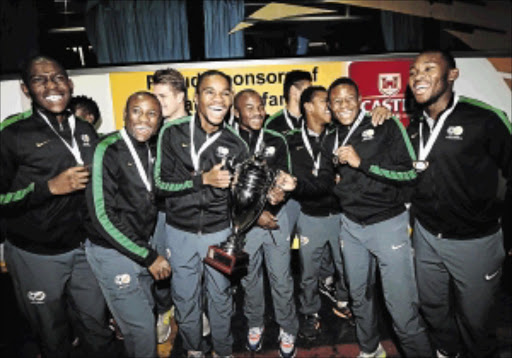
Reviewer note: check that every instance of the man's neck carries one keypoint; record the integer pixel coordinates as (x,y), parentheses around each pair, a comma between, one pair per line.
(435,109)
(208,127)
(293,109)
(60,117)
(176,115)
(315,126)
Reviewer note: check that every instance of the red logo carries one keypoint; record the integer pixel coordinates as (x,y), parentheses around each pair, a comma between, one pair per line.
(382,83)
(389,83)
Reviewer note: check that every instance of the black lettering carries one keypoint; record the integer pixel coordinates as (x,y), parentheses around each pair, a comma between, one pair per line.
(249,79)
(238,80)
(260,78)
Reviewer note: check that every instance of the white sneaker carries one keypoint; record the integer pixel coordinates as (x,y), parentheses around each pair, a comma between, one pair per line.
(163,326)
(195,354)
(215,355)
(442,354)
(378,353)
(255,338)
(286,344)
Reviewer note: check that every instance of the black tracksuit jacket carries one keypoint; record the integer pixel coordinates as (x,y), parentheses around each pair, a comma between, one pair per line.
(192,206)
(314,193)
(31,154)
(122,213)
(277,122)
(456,197)
(374,192)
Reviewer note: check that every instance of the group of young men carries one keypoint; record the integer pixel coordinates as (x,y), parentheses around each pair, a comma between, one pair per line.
(94,222)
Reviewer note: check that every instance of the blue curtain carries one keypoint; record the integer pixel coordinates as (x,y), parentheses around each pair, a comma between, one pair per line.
(302,45)
(220,16)
(138,31)
(402,32)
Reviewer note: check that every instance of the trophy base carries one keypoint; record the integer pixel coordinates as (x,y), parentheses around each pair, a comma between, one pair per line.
(225,262)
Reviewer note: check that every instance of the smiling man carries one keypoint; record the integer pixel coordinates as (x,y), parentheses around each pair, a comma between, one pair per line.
(374,164)
(318,224)
(462,144)
(267,243)
(190,172)
(123,215)
(41,203)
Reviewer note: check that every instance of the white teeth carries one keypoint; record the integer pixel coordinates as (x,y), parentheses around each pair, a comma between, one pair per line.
(54,98)
(215,108)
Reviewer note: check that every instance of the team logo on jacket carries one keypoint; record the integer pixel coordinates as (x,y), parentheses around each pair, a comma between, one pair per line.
(390,83)
(86,140)
(368,134)
(454,132)
(122,280)
(36,297)
(222,152)
(269,151)
(304,240)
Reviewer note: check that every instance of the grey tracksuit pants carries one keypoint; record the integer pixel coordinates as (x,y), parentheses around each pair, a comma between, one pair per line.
(388,241)
(471,271)
(316,235)
(46,286)
(273,250)
(191,279)
(126,286)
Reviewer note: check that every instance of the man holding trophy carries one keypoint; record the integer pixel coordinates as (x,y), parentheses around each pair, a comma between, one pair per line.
(267,242)
(190,170)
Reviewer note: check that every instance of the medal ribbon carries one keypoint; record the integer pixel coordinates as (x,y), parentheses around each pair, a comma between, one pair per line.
(138,163)
(288,119)
(209,141)
(307,144)
(424,150)
(355,124)
(73,148)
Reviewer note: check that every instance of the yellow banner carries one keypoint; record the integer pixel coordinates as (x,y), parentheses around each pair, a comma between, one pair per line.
(266,79)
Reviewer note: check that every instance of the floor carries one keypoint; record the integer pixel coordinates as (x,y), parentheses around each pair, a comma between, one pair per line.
(337,338)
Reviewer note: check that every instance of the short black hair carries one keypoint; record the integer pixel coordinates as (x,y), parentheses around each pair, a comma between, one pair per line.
(445,54)
(243,92)
(28,63)
(342,81)
(209,73)
(86,103)
(292,78)
(307,97)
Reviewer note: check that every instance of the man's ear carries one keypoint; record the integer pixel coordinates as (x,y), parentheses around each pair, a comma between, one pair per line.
(308,106)
(236,112)
(25,90)
(453,74)
(71,85)
(180,97)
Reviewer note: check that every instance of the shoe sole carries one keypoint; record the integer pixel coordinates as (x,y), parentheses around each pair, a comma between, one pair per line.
(287,356)
(257,349)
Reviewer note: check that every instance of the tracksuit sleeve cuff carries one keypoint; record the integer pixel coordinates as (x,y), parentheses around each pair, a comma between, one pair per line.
(364,165)
(41,191)
(151,258)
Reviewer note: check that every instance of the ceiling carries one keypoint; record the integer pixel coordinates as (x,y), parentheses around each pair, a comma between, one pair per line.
(332,27)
